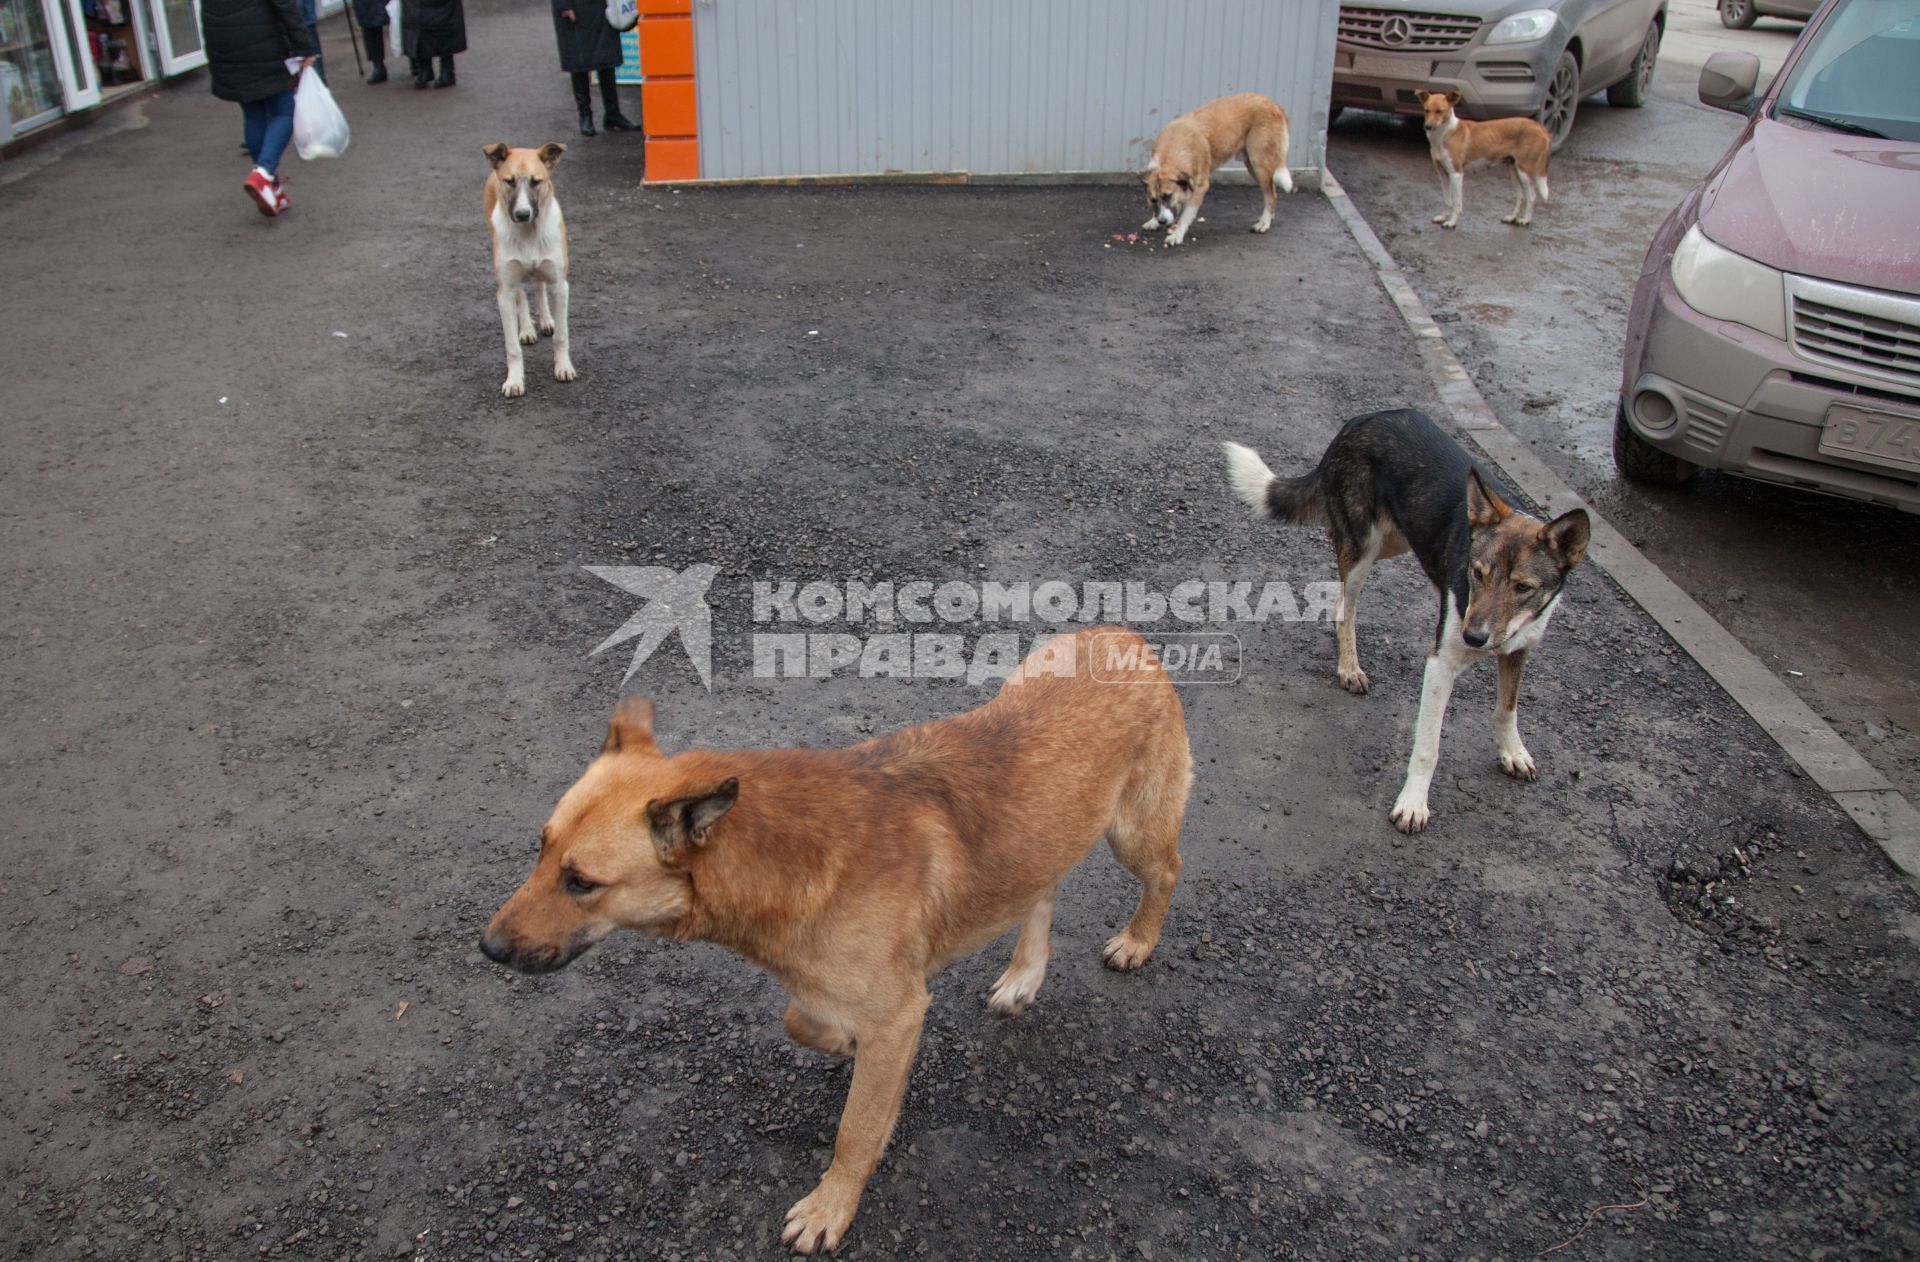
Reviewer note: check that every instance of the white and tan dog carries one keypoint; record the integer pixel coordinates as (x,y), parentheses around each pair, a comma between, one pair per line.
(1457,144)
(1247,126)
(529,244)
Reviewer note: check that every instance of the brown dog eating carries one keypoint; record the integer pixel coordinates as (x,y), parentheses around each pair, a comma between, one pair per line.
(1247,126)
(854,875)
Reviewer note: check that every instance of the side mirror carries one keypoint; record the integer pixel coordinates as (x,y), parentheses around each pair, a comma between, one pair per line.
(1727,81)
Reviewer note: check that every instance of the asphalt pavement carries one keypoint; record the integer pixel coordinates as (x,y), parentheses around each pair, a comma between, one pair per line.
(300,657)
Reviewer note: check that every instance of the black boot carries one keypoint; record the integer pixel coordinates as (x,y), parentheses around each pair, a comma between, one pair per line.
(378,74)
(583,98)
(609,96)
(446,79)
(422,71)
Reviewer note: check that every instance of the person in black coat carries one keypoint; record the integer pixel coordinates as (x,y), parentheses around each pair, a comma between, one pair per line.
(248,43)
(588,45)
(429,29)
(372,17)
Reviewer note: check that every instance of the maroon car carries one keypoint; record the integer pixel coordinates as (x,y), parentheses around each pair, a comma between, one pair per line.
(1775,329)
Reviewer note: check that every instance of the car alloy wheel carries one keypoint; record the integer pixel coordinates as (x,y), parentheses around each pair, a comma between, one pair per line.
(1562,99)
(1737,14)
(1633,91)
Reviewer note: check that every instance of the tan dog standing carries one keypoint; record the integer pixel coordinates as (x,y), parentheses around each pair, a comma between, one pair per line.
(1187,150)
(529,244)
(855,875)
(1457,143)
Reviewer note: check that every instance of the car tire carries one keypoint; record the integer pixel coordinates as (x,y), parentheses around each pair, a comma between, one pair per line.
(1632,92)
(1562,100)
(1737,15)
(1333,114)
(1640,460)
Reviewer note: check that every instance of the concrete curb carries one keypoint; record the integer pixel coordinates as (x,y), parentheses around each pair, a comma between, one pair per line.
(1861,791)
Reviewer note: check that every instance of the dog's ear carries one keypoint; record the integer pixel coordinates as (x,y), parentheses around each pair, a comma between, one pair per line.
(1453,96)
(550,153)
(1567,537)
(1484,508)
(678,824)
(497,153)
(1420,96)
(631,731)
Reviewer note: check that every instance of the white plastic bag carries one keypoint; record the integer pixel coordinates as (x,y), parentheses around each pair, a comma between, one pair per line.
(319,128)
(396,47)
(623,15)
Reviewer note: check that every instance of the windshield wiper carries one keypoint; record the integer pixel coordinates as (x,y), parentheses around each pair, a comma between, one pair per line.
(1828,120)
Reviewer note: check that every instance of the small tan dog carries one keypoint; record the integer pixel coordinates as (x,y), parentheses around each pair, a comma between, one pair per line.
(1457,144)
(855,875)
(1247,126)
(529,244)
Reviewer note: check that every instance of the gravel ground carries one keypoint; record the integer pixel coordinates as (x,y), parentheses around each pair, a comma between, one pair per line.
(294,678)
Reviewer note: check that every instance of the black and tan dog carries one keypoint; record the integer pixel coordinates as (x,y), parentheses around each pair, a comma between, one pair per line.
(1393,482)
(1185,153)
(855,875)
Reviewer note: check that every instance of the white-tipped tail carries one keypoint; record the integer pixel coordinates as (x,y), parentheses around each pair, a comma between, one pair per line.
(1540,186)
(1249,475)
(1283,179)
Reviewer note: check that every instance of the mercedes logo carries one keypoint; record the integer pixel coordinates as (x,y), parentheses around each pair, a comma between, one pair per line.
(1395,31)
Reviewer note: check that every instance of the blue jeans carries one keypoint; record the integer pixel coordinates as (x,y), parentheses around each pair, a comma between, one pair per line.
(269,128)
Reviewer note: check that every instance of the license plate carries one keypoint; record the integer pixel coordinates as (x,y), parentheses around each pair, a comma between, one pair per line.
(1873,436)
(1389,67)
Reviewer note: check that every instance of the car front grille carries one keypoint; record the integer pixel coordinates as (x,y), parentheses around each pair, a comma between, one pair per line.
(1873,333)
(1401,32)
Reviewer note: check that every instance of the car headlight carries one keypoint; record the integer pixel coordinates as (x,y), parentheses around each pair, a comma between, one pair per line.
(1523,27)
(1717,282)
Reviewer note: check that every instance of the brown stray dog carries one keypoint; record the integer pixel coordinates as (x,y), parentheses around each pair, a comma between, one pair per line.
(1247,126)
(855,875)
(1456,143)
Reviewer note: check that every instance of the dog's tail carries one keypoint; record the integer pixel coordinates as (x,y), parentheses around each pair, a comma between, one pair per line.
(1282,176)
(1288,499)
(1540,186)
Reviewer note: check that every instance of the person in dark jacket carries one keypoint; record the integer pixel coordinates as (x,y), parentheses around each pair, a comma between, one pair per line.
(429,29)
(588,44)
(372,17)
(248,43)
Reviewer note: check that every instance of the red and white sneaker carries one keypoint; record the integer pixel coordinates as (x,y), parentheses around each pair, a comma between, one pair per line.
(265,193)
(280,199)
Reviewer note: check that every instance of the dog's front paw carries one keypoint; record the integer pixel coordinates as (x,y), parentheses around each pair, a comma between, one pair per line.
(1449,223)
(1176,237)
(565,371)
(547,327)
(1125,953)
(1263,223)
(1440,218)
(1014,991)
(818,1221)
(1410,813)
(1355,681)
(514,386)
(1151,225)
(1519,764)
(527,336)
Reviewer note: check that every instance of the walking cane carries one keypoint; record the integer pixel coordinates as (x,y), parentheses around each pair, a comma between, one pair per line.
(354,39)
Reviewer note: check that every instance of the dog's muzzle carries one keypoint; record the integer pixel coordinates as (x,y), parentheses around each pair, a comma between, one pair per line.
(1165,216)
(532,959)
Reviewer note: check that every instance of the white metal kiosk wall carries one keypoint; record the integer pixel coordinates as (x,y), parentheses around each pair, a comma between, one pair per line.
(790,88)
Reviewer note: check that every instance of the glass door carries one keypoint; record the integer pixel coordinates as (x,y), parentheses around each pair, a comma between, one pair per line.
(32,88)
(178,22)
(75,54)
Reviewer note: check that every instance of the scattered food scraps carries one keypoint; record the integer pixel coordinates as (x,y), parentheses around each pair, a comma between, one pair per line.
(401,1011)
